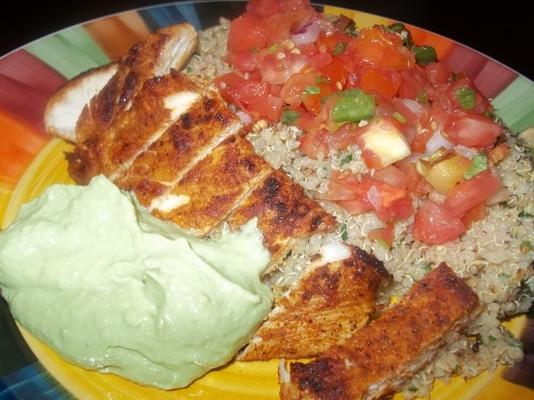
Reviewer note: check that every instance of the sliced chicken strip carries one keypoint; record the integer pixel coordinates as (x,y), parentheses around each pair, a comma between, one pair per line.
(329,302)
(158,105)
(66,104)
(284,214)
(378,358)
(214,187)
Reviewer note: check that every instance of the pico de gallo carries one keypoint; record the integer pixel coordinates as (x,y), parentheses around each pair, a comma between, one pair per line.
(423,131)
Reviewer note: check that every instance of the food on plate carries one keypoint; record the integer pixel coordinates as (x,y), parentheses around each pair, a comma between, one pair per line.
(333,298)
(111,288)
(373,89)
(321,133)
(378,358)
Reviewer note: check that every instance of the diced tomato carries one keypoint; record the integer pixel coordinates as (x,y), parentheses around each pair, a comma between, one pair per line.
(344,136)
(308,49)
(244,61)
(315,143)
(378,47)
(334,72)
(436,225)
(247,33)
(422,137)
(342,186)
(387,201)
(313,102)
(332,43)
(293,90)
(279,26)
(306,121)
(392,176)
(438,72)
(499,153)
(471,192)
(278,70)
(472,130)
(354,206)
(383,82)
(473,215)
(319,60)
(268,106)
(410,174)
(383,235)
(240,91)
(481,104)
(413,83)
(263,8)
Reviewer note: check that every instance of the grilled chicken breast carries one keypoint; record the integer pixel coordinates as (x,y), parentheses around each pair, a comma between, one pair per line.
(328,303)
(380,357)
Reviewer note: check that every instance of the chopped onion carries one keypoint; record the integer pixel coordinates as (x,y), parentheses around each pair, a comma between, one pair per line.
(244,117)
(413,106)
(465,151)
(373,195)
(437,141)
(307,35)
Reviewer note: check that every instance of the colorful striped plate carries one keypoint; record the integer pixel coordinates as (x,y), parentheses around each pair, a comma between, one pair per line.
(30,161)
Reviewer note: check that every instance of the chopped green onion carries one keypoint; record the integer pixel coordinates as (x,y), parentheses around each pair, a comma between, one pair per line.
(353,106)
(526,247)
(504,276)
(525,214)
(466,97)
(422,98)
(188,70)
(346,160)
(399,117)
(350,29)
(400,28)
(321,79)
(457,370)
(397,27)
(272,49)
(289,117)
(492,338)
(412,389)
(425,54)
(312,90)
(339,48)
(478,164)
(344,234)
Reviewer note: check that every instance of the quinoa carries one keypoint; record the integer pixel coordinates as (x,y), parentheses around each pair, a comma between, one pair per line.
(488,256)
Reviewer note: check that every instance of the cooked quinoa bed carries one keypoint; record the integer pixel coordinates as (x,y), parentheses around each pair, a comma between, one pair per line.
(488,256)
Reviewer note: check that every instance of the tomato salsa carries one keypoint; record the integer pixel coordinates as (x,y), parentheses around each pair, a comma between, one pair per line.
(427,135)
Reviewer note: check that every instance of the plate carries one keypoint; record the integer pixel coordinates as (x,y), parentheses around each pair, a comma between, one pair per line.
(30,161)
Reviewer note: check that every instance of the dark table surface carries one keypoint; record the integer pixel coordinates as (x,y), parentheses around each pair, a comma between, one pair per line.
(501,30)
